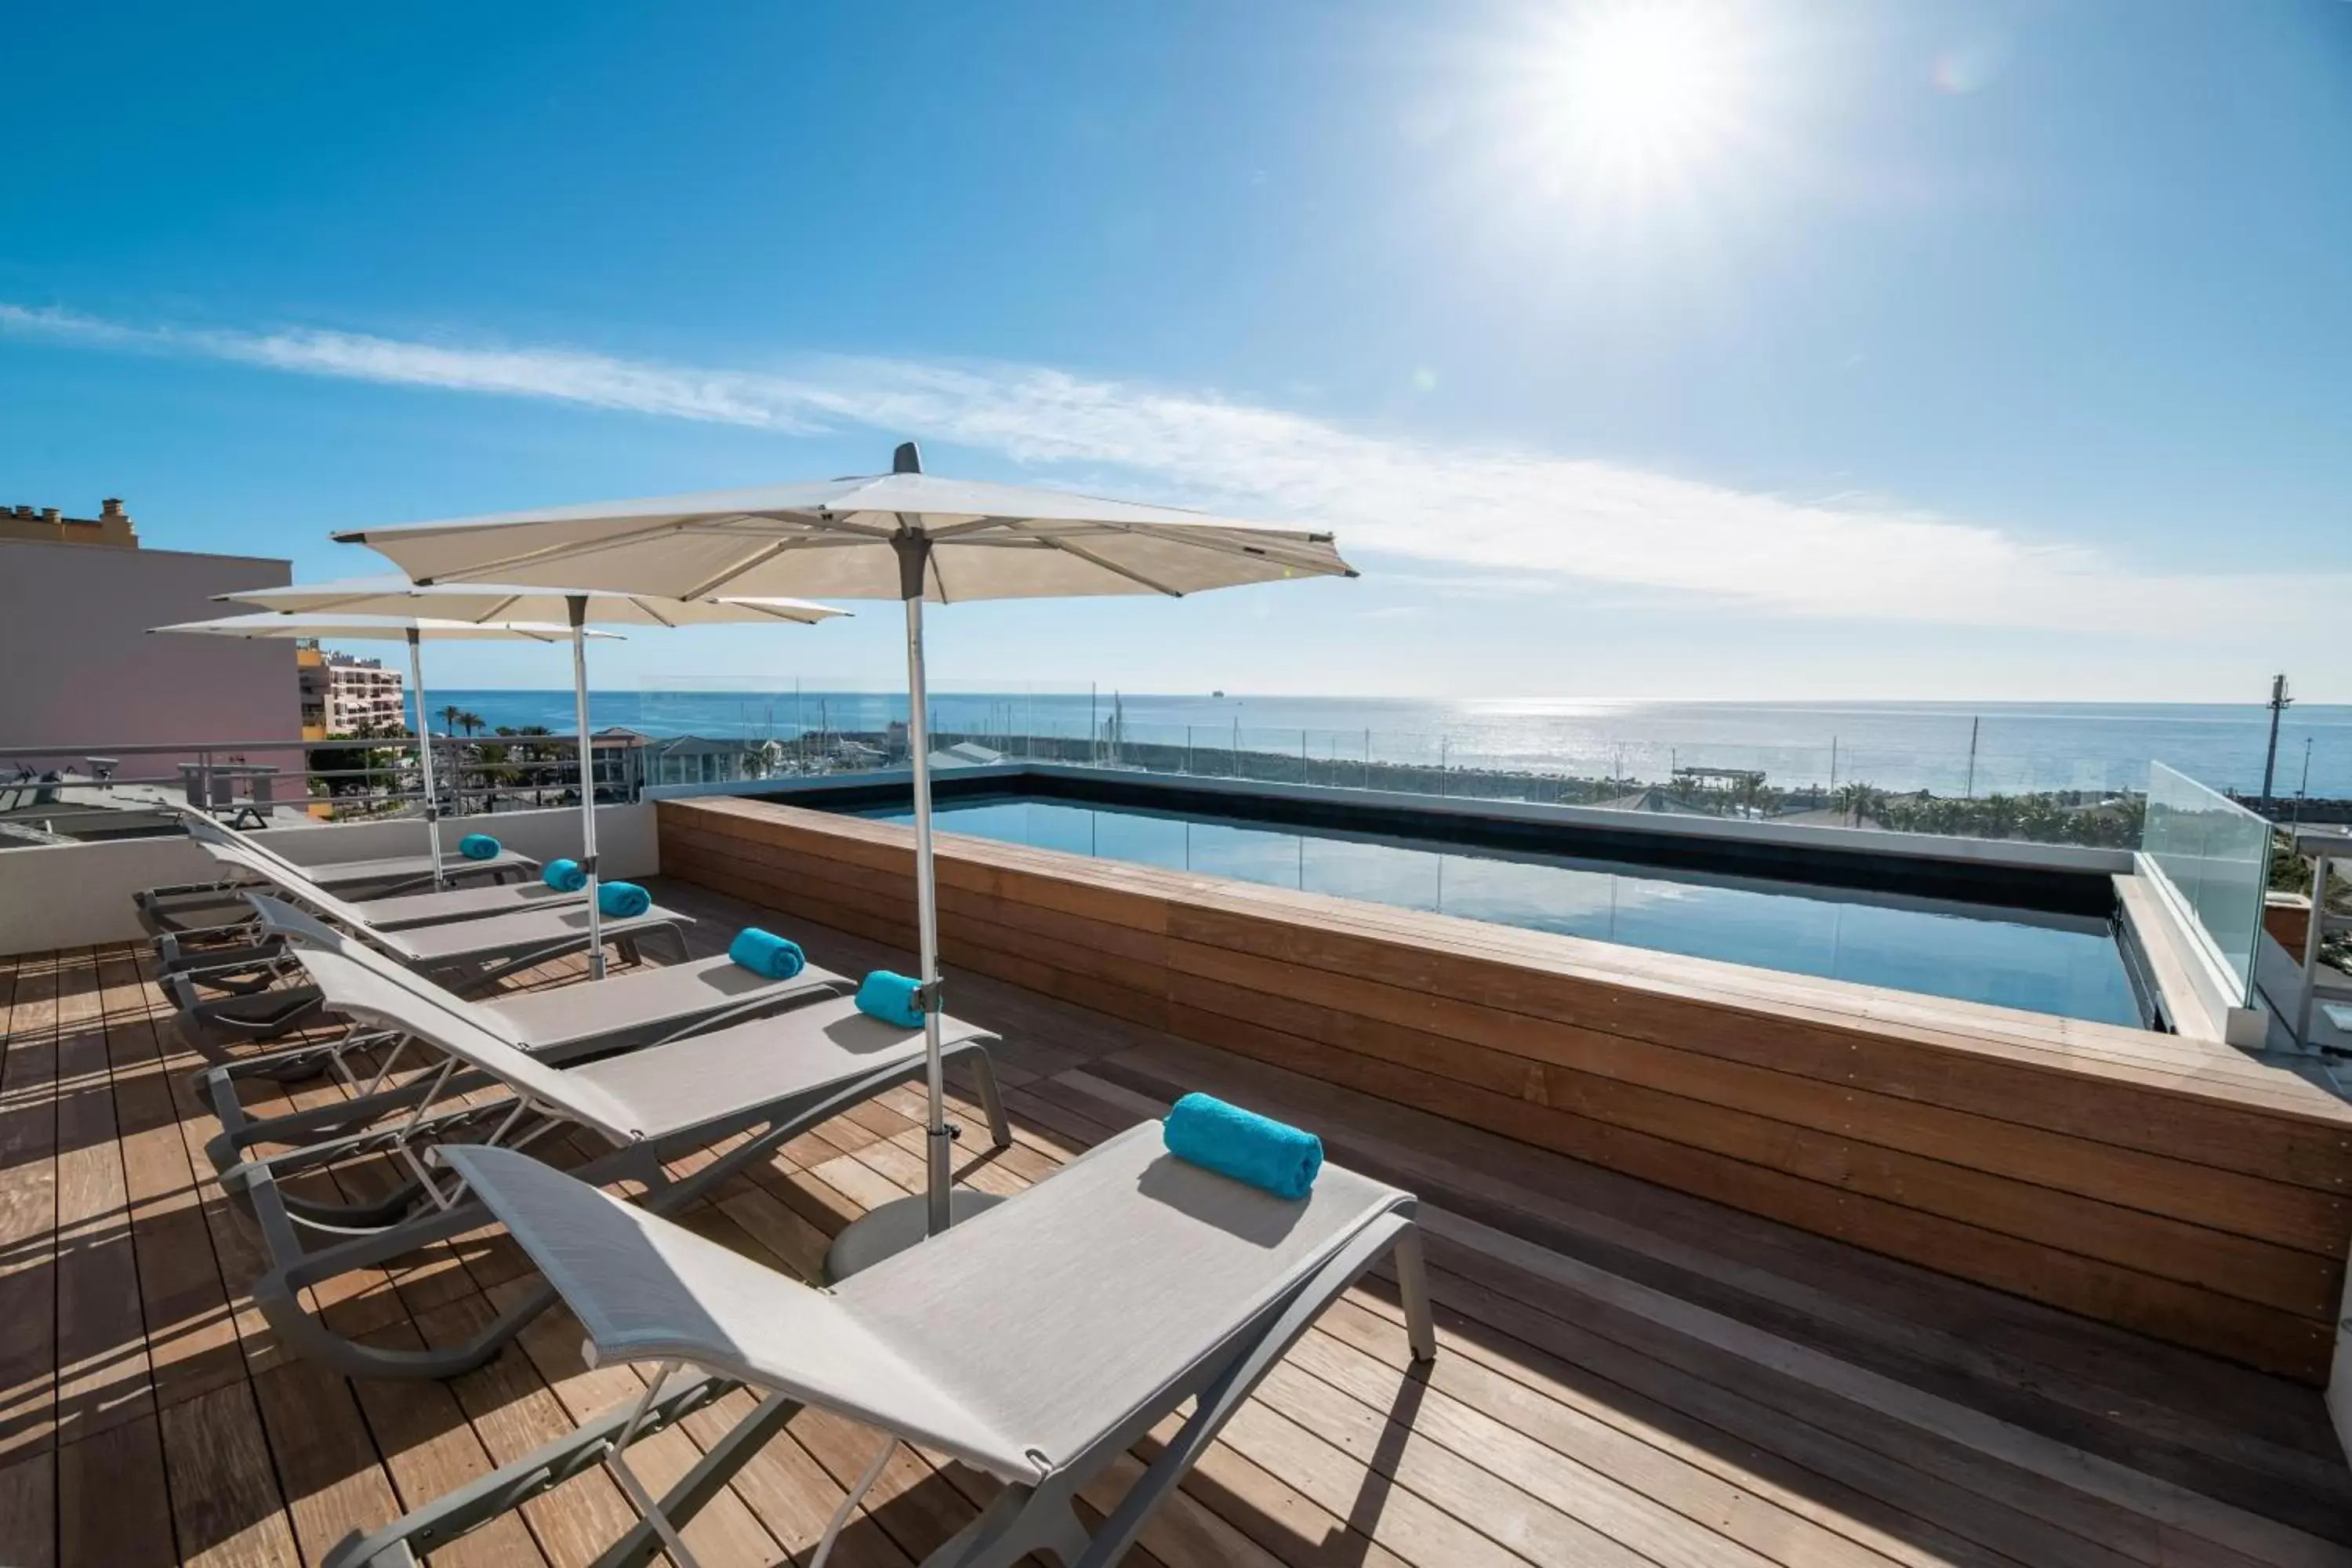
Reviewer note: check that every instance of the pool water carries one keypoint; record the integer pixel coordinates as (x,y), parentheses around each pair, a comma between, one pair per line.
(2014,958)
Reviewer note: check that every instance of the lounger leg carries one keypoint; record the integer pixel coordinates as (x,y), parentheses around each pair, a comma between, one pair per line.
(1019,1521)
(992,1099)
(703,1482)
(443,1520)
(1413,1285)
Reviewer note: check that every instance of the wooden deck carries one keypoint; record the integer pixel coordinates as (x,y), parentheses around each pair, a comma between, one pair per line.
(1627,1374)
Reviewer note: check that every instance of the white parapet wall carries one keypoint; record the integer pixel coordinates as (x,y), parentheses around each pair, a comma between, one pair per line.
(70,895)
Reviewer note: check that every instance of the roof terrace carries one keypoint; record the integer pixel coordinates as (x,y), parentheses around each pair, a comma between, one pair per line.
(1728,1269)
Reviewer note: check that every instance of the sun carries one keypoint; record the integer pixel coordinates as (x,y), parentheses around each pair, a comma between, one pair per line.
(1632,93)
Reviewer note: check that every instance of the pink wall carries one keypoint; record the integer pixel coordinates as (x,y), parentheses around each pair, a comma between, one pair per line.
(78,671)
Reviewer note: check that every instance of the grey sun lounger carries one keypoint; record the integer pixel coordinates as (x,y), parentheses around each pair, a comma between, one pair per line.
(469,955)
(1037,1341)
(758,1084)
(648,1005)
(247,870)
(184,907)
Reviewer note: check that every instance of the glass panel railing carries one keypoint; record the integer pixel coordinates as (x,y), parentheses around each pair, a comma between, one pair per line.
(2215,854)
(708,731)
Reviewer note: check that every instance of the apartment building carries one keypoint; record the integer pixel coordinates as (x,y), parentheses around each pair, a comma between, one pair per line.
(341,694)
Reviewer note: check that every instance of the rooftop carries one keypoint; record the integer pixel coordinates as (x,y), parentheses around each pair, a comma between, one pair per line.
(1629,1374)
(112,525)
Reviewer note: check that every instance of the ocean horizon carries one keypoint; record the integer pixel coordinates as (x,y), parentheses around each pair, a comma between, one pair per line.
(1948,747)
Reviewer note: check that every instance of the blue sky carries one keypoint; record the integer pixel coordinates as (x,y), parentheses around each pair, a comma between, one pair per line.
(1689,348)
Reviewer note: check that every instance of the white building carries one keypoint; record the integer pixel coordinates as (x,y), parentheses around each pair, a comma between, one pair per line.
(340,694)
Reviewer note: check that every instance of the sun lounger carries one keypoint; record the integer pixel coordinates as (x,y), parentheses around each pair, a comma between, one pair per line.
(207,924)
(758,1084)
(566,1022)
(189,930)
(381,875)
(468,955)
(1036,1342)
(197,906)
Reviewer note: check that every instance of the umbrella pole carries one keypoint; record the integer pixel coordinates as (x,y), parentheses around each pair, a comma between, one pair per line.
(425,758)
(936,1140)
(579,605)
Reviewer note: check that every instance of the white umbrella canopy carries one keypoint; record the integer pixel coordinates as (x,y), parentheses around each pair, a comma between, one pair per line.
(410,630)
(845,539)
(904,535)
(374,628)
(503,601)
(391,596)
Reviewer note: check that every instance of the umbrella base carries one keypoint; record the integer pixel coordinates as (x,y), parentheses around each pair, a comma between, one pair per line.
(895,1226)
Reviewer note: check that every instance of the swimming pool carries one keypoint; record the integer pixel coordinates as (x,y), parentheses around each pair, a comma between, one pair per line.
(2067,964)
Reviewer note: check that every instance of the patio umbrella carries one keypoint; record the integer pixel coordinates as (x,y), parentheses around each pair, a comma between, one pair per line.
(411,630)
(498,601)
(904,535)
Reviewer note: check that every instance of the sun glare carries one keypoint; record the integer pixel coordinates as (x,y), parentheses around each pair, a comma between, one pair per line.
(1638,92)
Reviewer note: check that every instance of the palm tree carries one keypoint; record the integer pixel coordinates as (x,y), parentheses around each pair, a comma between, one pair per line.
(449,715)
(471,722)
(1858,802)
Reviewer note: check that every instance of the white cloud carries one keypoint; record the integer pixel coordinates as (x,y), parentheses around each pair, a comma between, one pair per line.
(1493,512)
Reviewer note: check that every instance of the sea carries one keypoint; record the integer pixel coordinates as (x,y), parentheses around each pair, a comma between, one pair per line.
(1947,747)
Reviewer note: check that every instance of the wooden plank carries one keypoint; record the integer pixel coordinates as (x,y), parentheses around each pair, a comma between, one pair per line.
(191,1328)
(103,1374)
(334,1484)
(236,1242)
(224,1499)
(28,1504)
(112,1505)
(28,1210)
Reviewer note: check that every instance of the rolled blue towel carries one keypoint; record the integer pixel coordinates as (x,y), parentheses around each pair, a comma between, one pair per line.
(765,952)
(1258,1150)
(479,846)
(622,901)
(565,876)
(893,998)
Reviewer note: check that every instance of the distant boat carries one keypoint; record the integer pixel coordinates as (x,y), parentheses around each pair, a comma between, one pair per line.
(1216,694)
